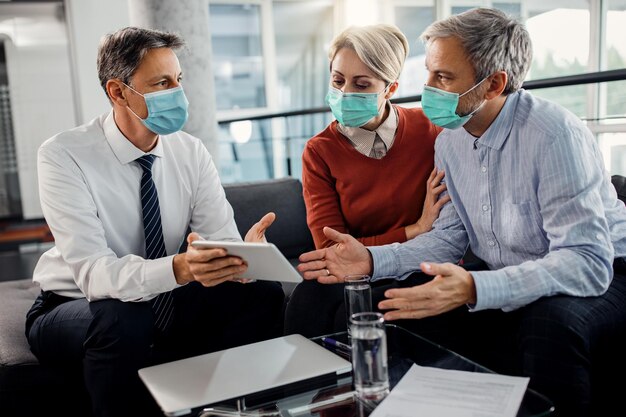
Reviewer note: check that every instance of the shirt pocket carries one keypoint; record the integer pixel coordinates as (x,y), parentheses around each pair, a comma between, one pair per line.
(522,230)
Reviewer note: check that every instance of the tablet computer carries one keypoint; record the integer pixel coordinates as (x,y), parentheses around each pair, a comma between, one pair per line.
(265,261)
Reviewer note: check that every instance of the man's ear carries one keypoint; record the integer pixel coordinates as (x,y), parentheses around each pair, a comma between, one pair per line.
(497,83)
(115,91)
(393,87)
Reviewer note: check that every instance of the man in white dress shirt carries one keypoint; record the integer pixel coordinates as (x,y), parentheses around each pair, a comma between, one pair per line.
(116,293)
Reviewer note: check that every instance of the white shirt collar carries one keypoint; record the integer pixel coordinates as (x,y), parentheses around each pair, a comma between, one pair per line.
(363,139)
(123,149)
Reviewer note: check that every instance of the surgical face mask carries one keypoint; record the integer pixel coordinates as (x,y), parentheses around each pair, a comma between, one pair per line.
(440,106)
(167,110)
(353,109)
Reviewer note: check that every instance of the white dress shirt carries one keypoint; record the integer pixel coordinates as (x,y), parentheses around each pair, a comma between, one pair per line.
(89,189)
(363,139)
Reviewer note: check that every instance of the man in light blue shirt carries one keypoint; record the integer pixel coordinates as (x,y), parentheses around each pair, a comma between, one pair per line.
(530,197)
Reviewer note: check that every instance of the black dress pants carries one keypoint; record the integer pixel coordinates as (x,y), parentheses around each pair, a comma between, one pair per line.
(111,340)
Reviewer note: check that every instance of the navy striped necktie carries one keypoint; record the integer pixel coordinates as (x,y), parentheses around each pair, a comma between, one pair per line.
(155,246)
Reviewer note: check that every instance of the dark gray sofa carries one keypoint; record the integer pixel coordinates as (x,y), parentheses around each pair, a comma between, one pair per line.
(29,389)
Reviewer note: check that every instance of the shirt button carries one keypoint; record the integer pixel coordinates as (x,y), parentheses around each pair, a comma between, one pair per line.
(599,236)
(491,243)
(483,168)
(485,207)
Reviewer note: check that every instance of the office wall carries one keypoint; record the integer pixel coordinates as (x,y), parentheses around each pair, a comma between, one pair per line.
(42,106)
(51,68)
(87,22)
(40,87)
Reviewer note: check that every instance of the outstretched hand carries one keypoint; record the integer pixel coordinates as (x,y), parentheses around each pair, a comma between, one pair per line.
(433,204)
(452,287)
(257,231)
(331,265)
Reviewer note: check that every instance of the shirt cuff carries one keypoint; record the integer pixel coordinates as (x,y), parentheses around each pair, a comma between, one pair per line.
(159,275)
(384,264)
(492,291)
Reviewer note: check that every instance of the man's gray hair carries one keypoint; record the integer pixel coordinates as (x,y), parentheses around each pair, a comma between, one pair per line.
(492,40)
(121,52)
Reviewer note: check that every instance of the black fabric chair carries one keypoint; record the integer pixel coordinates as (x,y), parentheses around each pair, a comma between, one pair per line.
(619,182)
(252,200)
(608,383)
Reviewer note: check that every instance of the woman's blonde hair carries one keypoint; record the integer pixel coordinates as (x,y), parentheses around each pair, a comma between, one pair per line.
(383,48)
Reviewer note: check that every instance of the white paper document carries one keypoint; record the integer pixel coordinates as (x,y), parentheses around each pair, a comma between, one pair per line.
(426,391)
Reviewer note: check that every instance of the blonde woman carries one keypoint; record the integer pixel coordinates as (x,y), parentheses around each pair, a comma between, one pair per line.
(370,172)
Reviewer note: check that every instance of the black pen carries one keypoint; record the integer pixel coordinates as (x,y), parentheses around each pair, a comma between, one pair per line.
(337,344)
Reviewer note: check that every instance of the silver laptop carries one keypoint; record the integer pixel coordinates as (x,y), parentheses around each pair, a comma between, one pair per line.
(182,385)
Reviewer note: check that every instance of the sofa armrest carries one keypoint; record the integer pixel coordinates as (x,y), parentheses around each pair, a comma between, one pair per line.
(16,298)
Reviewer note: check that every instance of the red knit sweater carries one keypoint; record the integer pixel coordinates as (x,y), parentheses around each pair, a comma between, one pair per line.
(371,199)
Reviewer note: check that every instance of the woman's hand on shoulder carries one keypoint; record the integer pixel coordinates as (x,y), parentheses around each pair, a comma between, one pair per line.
(432,205)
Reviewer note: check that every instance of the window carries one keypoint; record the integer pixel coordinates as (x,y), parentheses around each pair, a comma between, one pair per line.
(238,64)
(303,31)
(613,147)
(612,112)
(289,40)
(412,20)
(562,51)
(37,84)
(10,199)
(296,36)
(615,58)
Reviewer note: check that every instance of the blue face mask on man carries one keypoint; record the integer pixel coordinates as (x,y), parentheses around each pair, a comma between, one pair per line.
(167,110)
(353,109)
(440,106)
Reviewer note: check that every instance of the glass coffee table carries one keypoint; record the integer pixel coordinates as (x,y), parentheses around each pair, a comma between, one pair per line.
(333,396)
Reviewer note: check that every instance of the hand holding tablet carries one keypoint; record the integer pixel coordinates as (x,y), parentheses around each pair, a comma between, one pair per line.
(265,261)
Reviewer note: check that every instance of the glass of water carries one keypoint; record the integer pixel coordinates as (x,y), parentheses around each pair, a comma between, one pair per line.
(369,356)
(357,295)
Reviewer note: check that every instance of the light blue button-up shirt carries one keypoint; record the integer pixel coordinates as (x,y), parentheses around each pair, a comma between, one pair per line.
(532,199)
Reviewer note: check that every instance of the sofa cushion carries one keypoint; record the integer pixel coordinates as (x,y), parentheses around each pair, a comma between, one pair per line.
(16,298)
(252,200)
(26,387)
